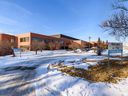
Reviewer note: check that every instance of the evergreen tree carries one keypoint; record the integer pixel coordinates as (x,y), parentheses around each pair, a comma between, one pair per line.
(99,49)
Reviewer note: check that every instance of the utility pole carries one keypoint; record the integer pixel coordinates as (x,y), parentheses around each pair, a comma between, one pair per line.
(89,41)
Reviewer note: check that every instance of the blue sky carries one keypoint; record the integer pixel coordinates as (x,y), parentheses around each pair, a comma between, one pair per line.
(77,18)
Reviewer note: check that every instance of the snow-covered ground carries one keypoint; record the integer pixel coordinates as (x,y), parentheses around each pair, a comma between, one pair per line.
(51,82)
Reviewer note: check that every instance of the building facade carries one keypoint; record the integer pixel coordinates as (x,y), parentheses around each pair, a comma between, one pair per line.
(82,43)
(11,39)
(26,41)
(7,42)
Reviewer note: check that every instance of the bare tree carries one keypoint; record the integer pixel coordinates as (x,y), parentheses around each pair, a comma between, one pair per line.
(74,46)
(38,45)
(51,45)
(6,48)
(117,25)
(57,46)
(42,46)
(118,5)
(35,46)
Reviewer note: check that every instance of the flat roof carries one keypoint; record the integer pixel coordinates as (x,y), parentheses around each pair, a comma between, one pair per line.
(65,36)
(7,34)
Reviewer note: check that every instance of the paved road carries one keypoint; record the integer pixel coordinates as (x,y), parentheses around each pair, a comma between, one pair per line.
(19,80)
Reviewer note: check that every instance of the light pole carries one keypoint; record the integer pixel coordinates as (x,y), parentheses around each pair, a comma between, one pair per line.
(89,41)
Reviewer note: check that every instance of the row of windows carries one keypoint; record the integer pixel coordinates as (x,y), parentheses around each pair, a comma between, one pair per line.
(36,39)
(25,39)
(46,40)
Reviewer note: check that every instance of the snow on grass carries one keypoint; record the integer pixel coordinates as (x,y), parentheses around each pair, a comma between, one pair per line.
(78,65)
(55,83)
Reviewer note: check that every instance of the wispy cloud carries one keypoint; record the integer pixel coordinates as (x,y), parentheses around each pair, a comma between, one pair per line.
(20,8)
(12,13)
(8,21)
(6,6)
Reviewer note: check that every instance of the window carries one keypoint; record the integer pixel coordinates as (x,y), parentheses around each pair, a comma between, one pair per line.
(62,42)
(57,41)
(36,39)
(46,41)
(25,39)
(52,41)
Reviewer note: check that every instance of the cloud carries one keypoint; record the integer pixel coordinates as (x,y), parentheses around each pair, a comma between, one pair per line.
(8,21)
(12,13)
(21,9)
(10,6)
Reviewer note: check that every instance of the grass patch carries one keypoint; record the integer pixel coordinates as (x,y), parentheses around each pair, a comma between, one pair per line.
(100,72)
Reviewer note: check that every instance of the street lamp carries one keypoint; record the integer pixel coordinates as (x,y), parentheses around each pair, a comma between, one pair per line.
(89,41)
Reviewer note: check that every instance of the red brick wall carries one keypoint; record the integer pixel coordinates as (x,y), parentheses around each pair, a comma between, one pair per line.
(8,38)
(50,38)
(6,42)
(43,37)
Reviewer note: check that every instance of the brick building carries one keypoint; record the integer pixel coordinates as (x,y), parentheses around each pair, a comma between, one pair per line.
(9,38)
(26,40)
(72,39)
(7,42)
(82,43)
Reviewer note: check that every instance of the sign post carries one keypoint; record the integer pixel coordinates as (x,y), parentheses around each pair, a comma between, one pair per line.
(115,48)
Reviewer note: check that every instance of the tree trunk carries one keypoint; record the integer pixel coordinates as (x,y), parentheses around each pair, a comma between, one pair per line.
(99,52)
(36,52)
(13,53)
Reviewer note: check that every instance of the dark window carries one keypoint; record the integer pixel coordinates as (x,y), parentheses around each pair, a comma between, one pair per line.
(37,39)
(46,41)
(25,39)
